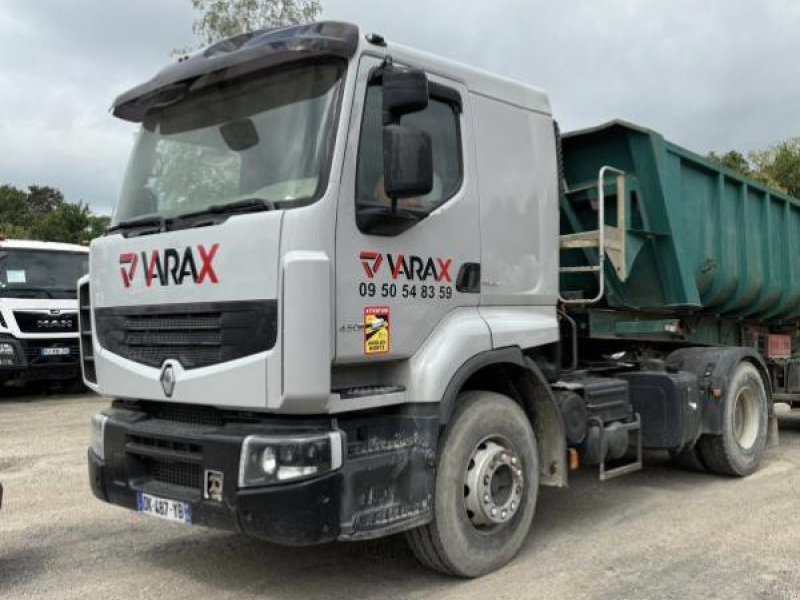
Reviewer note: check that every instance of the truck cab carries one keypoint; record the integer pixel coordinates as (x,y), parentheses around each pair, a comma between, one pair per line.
(327,304)
(39,310)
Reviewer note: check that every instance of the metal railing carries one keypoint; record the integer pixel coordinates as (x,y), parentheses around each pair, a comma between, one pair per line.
(591,239)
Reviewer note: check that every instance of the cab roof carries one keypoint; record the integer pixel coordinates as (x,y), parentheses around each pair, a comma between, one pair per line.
(37,245)
(478,81)
(236,57)
(250,52)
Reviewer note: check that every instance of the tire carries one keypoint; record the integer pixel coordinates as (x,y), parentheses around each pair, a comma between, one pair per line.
(689,460)
(738,451)
(487,430)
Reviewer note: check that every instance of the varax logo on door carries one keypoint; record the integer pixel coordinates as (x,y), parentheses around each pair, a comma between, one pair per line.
(170,266)
(413,268)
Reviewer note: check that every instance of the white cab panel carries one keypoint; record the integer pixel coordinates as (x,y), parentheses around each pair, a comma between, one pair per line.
(523,326)
(245,263)
(518,190)
(459,336)
(306,323)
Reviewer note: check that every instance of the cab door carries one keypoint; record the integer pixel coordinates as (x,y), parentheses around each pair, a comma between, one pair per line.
(393,288)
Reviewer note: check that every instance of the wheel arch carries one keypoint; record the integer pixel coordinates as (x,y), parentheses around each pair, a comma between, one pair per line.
(509,372)
(714,367)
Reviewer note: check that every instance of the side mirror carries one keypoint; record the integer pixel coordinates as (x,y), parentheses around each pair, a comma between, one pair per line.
(403,92)
(407,162)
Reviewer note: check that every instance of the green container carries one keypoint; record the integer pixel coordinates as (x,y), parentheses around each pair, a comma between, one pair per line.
(698,237)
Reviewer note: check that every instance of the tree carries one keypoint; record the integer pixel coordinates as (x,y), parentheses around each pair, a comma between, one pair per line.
(733,160)
(43,200)
(42,213)
(777,167)
(13,207)
(221,19)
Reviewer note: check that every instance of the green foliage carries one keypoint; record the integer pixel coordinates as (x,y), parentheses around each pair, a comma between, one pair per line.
(733,160)
(225,18)
(777,167)
(780,165)
(42,213)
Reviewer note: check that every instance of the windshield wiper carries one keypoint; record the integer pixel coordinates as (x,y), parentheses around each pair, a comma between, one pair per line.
(142,221)
(240,206)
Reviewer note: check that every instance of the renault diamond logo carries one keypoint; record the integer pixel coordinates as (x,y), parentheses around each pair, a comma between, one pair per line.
(168,380)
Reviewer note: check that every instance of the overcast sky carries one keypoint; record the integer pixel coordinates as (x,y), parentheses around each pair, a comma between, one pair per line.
(709,75)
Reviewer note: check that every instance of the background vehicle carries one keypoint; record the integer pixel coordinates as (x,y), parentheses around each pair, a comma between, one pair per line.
(328,305)
(39,310)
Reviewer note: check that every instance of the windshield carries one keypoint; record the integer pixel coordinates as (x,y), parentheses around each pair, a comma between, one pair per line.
(265,138)
(41,273)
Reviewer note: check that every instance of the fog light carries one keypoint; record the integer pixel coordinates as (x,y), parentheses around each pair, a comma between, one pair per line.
(267,460)
(98,443)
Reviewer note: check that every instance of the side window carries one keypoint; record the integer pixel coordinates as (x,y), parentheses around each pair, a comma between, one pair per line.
(441,121)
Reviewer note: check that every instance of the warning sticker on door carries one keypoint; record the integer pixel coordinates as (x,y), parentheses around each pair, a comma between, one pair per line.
(376,330)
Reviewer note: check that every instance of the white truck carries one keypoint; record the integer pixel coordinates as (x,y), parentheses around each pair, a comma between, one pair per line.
(39,311)
(328,307)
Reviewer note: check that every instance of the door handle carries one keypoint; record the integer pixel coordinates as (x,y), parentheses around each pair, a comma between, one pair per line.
(468,279)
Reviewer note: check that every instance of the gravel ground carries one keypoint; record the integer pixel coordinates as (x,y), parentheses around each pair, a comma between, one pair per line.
(661,533)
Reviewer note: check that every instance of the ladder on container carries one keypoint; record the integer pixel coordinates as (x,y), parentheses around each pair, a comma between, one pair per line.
(606,238)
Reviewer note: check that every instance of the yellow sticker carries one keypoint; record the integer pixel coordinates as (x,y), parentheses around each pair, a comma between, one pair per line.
(376,330)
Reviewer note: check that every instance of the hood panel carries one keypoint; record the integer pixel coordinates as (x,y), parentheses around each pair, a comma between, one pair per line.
(234,260)
(243,267)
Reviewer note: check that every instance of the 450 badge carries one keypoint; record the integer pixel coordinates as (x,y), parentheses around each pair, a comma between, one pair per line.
(425,278)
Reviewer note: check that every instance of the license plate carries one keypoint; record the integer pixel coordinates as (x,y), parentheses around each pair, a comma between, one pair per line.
(163,508)
(54,351)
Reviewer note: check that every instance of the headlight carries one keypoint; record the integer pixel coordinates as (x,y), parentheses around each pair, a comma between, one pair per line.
(98,435)
(7,354)
(266,460)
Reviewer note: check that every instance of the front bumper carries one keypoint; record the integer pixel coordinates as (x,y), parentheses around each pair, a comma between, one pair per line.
(296,514)
(385,483)
(30,363)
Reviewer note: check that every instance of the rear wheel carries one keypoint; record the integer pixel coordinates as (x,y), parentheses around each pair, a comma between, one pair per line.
(486,486)
(738,451)
(689,460)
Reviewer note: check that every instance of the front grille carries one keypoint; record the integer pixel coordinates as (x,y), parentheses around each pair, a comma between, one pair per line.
(195,335)
(167,337)
(34,348)
(187,322)
(46,322)
(187,475)
(166,460)
(190,339)
(185,413)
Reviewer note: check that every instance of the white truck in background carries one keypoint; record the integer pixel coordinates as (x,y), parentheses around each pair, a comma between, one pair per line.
(39,311)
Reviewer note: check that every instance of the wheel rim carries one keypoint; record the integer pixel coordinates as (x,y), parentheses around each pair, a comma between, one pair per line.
(746,417)
(492,483)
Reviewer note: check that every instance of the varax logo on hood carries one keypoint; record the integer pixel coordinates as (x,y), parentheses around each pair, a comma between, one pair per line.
(170,266)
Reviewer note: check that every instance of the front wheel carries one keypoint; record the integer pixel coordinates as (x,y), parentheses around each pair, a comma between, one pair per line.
(738,451)
(487,481)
